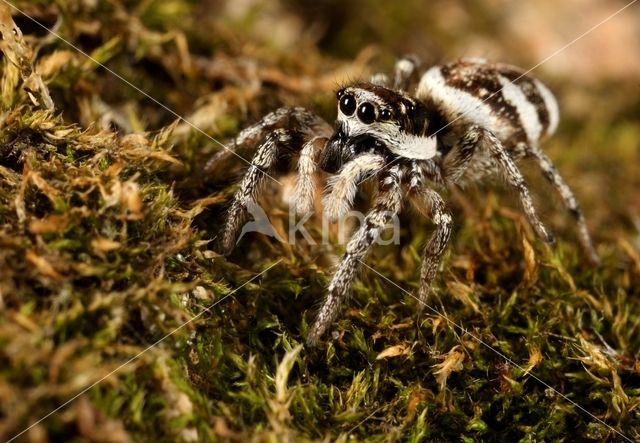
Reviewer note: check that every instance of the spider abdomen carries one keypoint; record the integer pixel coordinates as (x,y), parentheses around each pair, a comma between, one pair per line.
(498,97)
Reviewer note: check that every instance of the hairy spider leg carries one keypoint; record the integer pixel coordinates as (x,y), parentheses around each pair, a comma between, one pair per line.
(343,186)
(284,131)
(428,199)
(261,164)
(386,206)
(458,160)
(305,190)
(403,71)
(551,173)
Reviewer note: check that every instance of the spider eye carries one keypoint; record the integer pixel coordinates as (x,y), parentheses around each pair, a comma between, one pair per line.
(367,113)
(385,114)
(347,104)
(339,93)
(410,107)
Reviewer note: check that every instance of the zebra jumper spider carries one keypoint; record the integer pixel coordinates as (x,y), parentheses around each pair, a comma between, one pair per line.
(465,120)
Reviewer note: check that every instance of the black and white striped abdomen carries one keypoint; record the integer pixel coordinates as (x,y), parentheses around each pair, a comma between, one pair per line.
(514,107)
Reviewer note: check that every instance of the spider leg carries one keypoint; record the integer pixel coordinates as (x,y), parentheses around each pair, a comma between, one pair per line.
(404,70)
(402,73)
(261,165)
(457,161)
(387,205)
(305,190)
(253,133)
(296,119)
(478,141)
(380,79)
(551,173)
(426,198)
(283,132)
(344,185)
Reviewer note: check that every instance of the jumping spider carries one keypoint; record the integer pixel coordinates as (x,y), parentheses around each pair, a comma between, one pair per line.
(464,121)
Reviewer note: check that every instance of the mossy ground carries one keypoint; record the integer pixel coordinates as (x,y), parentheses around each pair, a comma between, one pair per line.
(108,227)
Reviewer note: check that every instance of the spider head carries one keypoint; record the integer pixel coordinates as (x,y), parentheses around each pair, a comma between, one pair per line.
(373,118)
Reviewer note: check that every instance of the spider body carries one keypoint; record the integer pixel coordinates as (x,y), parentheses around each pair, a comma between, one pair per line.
(465,120)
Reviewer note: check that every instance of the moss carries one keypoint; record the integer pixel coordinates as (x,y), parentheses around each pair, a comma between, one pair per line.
(108,227)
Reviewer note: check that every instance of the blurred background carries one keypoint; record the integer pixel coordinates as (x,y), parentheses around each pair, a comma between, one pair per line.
(524,33)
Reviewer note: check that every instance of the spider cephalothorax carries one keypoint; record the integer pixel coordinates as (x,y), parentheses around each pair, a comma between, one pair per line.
(376,119)
(464,120)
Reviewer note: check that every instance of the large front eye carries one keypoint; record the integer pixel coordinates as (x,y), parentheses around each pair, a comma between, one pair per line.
(347,104)
(367,113)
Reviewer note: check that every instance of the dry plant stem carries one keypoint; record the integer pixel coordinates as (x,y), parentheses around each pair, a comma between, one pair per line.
(21,55)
